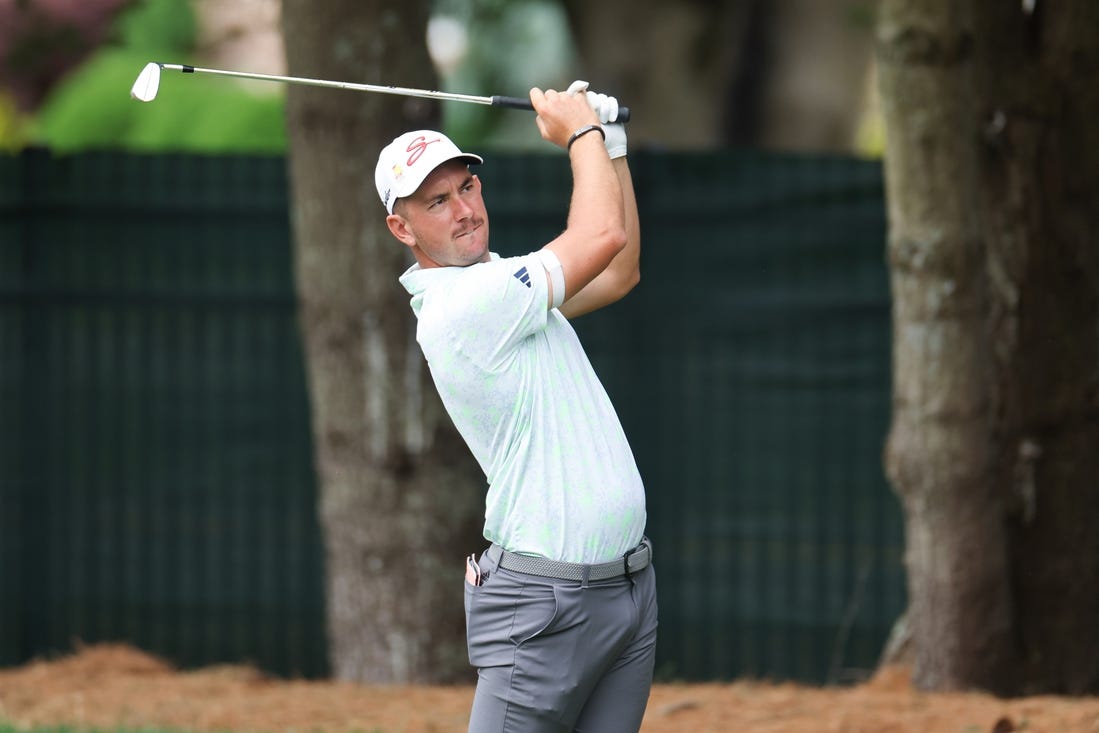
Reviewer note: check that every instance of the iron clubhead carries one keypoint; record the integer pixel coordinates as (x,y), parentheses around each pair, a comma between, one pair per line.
(148,81)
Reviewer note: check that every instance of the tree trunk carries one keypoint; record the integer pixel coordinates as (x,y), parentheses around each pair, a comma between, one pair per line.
(815,94)
(787,74)
(400,495)
(991,173)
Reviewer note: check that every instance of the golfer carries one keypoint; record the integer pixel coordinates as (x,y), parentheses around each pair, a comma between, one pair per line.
(561,607)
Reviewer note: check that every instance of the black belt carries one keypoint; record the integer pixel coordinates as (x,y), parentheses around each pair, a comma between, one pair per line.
(633,561)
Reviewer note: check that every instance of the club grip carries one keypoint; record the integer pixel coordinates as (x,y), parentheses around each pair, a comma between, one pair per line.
(524,103)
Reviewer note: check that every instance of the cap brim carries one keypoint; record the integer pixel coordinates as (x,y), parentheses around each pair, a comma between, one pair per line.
(411,185)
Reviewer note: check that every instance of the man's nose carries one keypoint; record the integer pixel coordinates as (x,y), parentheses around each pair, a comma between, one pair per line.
(460,207)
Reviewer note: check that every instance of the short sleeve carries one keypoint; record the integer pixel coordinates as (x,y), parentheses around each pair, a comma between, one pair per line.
(497,304)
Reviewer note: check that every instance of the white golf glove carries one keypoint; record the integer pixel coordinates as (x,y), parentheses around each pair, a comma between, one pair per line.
(606,108)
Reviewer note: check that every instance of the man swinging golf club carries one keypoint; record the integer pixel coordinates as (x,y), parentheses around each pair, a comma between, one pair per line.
(561,608)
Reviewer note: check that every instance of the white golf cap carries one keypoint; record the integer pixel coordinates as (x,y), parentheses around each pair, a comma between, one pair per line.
(409,159)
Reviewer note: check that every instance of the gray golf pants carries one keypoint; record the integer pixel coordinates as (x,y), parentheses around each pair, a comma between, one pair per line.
(558,655)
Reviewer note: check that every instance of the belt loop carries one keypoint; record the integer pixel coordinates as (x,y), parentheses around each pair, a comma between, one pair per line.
(585,573)
(626,557)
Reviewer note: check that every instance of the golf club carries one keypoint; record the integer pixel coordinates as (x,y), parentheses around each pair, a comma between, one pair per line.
(148,82)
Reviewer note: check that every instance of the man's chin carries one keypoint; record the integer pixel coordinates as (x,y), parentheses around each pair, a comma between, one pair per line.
(478,260)
(477,253)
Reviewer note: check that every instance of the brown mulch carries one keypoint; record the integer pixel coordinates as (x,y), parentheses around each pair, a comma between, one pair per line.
(109,686)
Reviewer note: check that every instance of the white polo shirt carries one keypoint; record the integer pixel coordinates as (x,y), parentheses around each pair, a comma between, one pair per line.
(515,380)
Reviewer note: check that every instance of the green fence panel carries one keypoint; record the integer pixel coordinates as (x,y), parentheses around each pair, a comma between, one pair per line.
(12,378)
(163,478)
(155,474)
(773,321)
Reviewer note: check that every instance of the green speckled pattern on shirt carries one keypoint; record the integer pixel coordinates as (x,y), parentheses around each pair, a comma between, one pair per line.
(515,380)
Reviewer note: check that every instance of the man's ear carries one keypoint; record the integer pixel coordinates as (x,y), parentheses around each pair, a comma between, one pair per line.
(398,227)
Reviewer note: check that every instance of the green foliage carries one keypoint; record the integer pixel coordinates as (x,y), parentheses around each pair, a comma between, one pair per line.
(92,108)
(11,124)
(156,27)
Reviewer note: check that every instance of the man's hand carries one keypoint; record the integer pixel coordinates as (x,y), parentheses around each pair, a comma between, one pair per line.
(606,108)
(562,113)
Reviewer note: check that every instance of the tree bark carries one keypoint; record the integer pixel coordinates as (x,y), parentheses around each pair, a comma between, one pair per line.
(785,74)
(400,495)
(991,173)
(815,95)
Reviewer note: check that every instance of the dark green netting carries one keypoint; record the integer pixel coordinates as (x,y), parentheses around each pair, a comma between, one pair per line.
(156,481)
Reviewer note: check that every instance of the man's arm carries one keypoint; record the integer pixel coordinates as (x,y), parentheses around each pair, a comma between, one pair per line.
(596,232)
(624,271)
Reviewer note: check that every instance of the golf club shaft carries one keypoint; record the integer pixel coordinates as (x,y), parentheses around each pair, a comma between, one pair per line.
(494,101)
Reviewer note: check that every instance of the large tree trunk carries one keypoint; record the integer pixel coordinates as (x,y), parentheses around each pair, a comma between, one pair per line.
(992,173)
(788,74)
(400,494)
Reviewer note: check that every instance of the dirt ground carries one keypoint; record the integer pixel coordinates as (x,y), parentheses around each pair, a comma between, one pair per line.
(106,686)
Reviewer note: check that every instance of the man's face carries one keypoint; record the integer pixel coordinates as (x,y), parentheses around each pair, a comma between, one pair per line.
(444,222)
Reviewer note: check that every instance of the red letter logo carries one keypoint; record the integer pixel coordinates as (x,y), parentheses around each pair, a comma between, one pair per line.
(417,147)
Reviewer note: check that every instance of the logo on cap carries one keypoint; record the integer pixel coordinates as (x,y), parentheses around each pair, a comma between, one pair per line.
(417,148)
